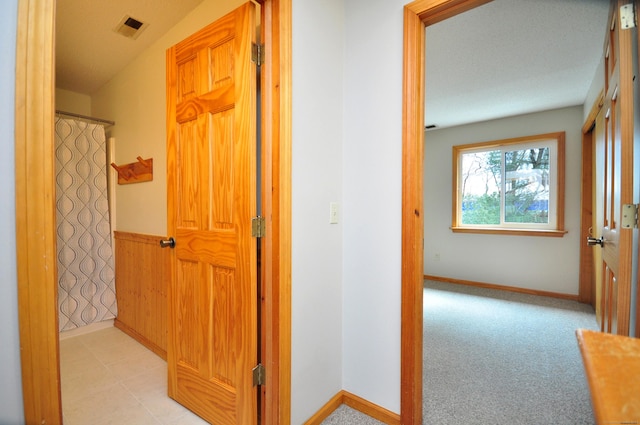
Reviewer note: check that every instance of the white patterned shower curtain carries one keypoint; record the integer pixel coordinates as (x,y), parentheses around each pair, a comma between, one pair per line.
(86,278)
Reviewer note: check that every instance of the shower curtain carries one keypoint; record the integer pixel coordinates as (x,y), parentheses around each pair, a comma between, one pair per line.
(86,278)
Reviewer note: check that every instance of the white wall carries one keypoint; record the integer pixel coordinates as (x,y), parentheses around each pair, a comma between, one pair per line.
(335,345)
(318,62)
(372,193)
(11,410)
(540,263)
(135,100)
(594,91)
(69,101)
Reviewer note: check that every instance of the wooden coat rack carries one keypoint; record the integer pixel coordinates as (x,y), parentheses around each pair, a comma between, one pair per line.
(135,172)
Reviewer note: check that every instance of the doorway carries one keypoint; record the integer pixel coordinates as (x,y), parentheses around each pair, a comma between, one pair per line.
(418,15)
(35,234)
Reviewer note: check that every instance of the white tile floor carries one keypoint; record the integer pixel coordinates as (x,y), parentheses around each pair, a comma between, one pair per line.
(109,378)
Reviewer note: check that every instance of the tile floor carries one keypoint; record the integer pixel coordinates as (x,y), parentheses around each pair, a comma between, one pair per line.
(109,378)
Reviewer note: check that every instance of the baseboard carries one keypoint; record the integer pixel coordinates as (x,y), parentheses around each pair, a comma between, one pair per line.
(503,288)
(326,410)
(141,339)
(357,403)
(373,410)
(86,329)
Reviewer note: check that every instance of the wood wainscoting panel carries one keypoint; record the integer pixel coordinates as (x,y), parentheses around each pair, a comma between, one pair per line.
(142,276)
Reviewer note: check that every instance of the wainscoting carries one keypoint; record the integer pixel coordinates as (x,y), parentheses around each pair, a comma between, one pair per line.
(142,279)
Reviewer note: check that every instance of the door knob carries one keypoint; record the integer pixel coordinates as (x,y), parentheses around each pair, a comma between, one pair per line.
(170,243)
(591,241)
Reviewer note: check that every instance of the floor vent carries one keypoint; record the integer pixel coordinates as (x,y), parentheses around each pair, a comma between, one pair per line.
(130,27)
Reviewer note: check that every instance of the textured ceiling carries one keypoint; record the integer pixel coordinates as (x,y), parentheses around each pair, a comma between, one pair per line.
(88,51)
(505,58)
(510,57)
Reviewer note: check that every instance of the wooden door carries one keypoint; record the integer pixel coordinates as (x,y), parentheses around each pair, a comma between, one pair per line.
(211,185)
(614,163)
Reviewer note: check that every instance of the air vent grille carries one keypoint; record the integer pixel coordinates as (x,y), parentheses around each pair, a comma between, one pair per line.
(130,27)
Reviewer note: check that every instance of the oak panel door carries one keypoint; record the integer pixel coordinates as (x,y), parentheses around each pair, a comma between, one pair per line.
(211,185)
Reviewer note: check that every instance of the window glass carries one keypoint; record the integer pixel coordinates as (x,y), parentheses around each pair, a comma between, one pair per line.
(512,184)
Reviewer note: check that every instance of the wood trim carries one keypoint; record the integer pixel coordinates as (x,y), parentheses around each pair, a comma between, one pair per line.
(276,181)
(34,145)
(432,12)
(326,410)
(586,293)
(458,150)
(370,409)
(626,121)
(593,113)
(142,281)
(586,273)
(140,338)
(511,232)
(412,218)
(357,403)
(417,15)
(561,188)
(637,334)
(559,295)
(35,212)
(265,255)
(559,136)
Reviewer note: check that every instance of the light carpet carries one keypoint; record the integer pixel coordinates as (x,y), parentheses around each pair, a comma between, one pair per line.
(497,357)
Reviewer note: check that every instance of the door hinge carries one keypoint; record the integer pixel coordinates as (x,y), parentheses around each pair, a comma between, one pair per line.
(627,16)
(259,375)
(257,54)
(258,227)
(629,216)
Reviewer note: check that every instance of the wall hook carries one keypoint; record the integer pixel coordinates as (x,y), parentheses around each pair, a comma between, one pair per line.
(135,172)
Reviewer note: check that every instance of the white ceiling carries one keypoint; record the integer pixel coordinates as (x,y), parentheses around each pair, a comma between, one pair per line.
(511,57)
(505,58)
(88,50)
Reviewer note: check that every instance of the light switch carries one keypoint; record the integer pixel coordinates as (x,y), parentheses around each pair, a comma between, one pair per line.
(333,212)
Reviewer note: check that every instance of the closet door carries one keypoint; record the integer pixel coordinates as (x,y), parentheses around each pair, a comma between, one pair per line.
(615,165)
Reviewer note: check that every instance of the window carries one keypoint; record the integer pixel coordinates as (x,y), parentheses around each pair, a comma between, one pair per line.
(513,186)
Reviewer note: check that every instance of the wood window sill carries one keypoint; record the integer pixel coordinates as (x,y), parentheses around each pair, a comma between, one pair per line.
(513,232)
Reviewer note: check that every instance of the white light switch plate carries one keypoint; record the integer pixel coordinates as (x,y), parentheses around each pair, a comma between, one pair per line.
(333,213)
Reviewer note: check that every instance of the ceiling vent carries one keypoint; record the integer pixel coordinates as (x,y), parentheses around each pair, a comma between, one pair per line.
(130,27)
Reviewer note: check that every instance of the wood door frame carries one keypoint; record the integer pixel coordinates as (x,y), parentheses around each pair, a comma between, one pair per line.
(417,15)
(637,318)
(35,210)
(587,286)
